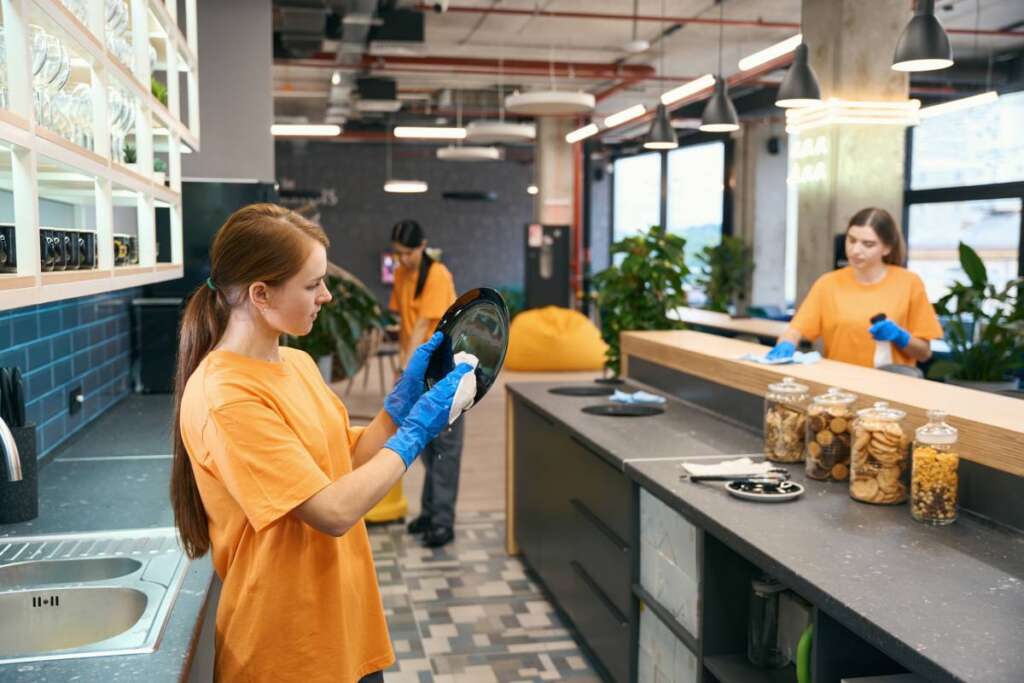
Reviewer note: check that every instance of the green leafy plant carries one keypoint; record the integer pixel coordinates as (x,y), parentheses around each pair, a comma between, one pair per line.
(725,271)
(159,90)
(129,154)
(159,165)
(515,299)
(638,293)
(986,326)
(343,323)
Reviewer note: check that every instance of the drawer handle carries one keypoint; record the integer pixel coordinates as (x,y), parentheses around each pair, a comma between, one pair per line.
(585,577)
(588,514)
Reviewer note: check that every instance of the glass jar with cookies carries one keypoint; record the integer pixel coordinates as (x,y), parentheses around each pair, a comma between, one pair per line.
(934,481)
(785,420)
(878,456)
(829,424)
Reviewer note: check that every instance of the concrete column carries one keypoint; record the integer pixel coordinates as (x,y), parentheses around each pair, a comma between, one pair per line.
(554,171)
(851,43)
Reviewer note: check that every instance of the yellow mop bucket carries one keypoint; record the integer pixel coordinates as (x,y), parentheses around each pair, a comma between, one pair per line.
(392,506)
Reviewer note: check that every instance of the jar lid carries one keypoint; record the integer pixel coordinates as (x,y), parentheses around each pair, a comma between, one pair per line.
(937,430)
(835,396)
(788,385)
(881,411)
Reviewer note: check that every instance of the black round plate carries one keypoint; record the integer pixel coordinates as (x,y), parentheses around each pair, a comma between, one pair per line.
(623,410)
(476,323)
(582,390)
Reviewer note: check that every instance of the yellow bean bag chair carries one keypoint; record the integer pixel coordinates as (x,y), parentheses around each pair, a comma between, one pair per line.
(552,339)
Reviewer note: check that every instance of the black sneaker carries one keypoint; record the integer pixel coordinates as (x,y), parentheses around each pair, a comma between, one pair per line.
(438,536)
(420,525)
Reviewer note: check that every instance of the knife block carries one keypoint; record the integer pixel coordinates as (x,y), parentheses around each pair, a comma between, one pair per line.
(19,500)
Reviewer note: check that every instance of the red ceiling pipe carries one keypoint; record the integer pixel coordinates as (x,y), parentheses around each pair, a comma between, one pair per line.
(748,23)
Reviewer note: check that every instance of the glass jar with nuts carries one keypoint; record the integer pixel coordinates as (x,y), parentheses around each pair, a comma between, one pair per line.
(785,420)
(934,481)
(829,423)
(878,456)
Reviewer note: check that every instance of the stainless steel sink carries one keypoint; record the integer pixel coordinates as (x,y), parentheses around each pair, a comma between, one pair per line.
(45,572)
(87,595)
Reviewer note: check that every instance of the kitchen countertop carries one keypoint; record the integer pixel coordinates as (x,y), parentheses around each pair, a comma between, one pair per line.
(114,474)
(947,602)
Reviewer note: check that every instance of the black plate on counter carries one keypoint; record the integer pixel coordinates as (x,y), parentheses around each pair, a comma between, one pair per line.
(582,390)
(623,410)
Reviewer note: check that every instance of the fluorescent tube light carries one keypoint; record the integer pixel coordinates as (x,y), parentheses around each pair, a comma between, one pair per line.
(687,89)
(405,186)
(430,132)
(581,133)
(305,130)
(771,52)
(962,103)
(636,111)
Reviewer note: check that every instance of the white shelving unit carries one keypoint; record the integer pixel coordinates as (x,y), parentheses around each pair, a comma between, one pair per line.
(89,187)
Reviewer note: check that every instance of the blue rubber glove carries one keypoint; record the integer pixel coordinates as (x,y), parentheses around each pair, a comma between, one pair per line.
(428,417)
(782,351)
(887,330)
(411,385)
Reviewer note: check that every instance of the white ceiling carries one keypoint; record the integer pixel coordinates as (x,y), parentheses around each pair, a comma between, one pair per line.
(689,52)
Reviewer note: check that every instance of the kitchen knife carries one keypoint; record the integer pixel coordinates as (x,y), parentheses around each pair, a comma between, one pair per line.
(6,411)
(17,396)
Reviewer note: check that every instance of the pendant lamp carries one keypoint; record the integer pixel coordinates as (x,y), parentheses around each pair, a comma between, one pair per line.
(661,134)
(799,87)
(719,113)
(924,45)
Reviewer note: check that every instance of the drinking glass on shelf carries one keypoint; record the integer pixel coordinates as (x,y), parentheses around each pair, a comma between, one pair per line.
(3,69)
(78,8)
(81,114)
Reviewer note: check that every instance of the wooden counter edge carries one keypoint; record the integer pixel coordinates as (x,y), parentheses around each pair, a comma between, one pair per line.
(989,434)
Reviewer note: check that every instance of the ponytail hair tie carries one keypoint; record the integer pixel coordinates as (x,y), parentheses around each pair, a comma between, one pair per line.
(209,283)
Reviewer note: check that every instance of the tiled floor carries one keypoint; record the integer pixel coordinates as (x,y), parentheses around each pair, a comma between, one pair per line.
(468,613)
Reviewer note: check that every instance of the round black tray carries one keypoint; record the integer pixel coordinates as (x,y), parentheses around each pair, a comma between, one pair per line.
(623,410)
(582,390)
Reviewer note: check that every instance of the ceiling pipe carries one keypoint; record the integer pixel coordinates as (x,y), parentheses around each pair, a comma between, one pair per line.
(464,65)
(746,23)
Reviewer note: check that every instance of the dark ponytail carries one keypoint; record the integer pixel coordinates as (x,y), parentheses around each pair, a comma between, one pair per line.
(257,243)
(409,233)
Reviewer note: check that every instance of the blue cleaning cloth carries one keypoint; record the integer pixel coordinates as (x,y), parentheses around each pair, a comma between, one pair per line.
(637,397)
(798,358)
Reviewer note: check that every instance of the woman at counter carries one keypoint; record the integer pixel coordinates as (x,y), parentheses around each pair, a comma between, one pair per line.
(423,291)
(267,471)
(842,303)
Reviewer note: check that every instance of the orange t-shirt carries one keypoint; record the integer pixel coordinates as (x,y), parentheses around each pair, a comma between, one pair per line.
(839,309)
(437,295)
(296,604)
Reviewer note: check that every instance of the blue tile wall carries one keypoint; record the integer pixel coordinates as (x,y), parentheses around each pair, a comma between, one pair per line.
(84,342)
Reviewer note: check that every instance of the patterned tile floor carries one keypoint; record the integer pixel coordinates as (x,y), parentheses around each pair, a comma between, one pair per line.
(468,613)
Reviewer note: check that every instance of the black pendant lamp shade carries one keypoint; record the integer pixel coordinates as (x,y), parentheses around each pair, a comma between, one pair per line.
(799,87)
(662,135)
(719,113)
(924,45)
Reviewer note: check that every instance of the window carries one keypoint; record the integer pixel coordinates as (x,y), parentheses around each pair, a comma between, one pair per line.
(977,146)
(696,190)
(637,194)
(991,227)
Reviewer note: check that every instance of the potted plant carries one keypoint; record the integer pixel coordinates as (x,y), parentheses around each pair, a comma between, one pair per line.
(985,329)
(342,325)
(725,271)
(159,171)
(638,293)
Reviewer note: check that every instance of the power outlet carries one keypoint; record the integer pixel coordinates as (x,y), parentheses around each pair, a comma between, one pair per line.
(75,400)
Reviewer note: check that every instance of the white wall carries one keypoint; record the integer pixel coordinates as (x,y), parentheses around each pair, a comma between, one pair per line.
(236,104)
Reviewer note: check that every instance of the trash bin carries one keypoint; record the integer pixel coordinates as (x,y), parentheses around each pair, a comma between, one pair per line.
(155,344)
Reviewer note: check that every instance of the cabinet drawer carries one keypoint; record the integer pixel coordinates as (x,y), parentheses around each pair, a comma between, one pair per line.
(606,491)
(661,656)
(668,560)
(603,555)
(600,623)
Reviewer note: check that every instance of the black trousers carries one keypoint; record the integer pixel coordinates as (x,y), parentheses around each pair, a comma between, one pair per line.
(376,677)
(442,457)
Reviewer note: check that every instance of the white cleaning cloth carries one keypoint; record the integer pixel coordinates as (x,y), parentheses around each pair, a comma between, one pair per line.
(741,467)
(465,393)
(637,397)
(798,358)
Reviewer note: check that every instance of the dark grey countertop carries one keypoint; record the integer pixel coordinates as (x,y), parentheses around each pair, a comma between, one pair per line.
(682,430)
(946,602)
(114,474)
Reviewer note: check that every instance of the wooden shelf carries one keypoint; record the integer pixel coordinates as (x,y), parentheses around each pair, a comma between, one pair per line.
(991,428)
(738,669)
(30,290)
